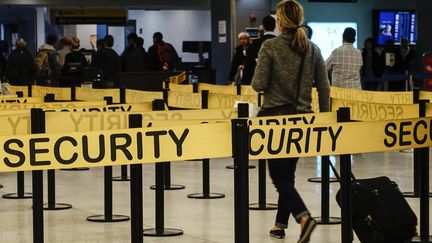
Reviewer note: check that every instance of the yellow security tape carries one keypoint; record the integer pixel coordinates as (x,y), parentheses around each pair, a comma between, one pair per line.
(59,93)
(185,100)
(269,142)
(181,88)
(52,105)
(15,89)
(178,78)
(110,148)
(218,89)
(248,90)
(21,100)
(142,107)
(8,96)
(88,94)
(396,98)
(362,111)
(137,96)
(224,101)
(426,95)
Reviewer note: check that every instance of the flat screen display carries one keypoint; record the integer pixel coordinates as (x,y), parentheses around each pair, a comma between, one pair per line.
(328,35)
(395,25)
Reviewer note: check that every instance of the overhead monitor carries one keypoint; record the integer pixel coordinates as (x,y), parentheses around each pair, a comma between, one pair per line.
(328,35)
(394,25)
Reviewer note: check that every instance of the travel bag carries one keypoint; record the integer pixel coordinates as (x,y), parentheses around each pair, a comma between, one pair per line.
(380,212)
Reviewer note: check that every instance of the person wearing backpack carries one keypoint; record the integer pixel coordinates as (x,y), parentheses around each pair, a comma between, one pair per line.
(75,61)
(108,62)
(47,63)
(163,56)
(20,68)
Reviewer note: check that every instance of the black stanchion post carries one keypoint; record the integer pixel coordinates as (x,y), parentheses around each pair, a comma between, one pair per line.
(29,90)
(136,190)
(343,115)
(423,157)
(20,194)
(52,205)
(262,179)
(325,218)
(123,168)
(160,229)
(417,161)
(241,179)
(160,106)
(73,92)
(206,194)
(38,127)
(108,195)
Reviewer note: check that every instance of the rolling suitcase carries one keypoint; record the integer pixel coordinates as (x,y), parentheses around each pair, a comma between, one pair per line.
(380,212)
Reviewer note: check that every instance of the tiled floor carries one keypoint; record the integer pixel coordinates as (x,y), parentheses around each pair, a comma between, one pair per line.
(201,220)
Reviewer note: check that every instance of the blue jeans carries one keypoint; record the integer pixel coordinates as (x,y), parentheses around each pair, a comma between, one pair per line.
(282,172)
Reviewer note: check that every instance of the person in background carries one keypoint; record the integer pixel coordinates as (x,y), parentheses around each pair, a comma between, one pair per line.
(162,55)
(3,61)
(108,62)
(135,59)
(100,44)
(132,44)
(47,62)
(65,48)
(75,61)
(240,57)
(408,57)
(269,25)
(372,65)
(20,68)
(287,68)
(345,63)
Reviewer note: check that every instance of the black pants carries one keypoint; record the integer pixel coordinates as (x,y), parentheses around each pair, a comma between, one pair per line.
(282,172)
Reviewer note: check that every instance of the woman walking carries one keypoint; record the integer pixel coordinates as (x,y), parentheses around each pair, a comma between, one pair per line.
(288,66)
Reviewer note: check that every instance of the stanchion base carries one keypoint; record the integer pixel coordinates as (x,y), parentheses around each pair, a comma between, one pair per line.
(162,232)
(171,187)
(119,178)
(102,219)
(418,240)
(77,169)
(57,206)
(232,167)
(259,206)
(328,221)
(319,180)
(26,195)
(206,196)
(412,195)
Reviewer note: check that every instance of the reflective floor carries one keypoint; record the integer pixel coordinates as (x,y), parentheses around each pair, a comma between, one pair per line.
(201,220)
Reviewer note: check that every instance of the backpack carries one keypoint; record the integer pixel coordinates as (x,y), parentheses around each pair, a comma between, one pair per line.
(166,54)
(44,65)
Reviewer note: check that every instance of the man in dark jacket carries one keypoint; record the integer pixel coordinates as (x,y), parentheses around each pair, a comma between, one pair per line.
(134,59)
(240,57)
(408,57)
(269,25)
(162,55)
(108,62)
(3,63)
(20,67)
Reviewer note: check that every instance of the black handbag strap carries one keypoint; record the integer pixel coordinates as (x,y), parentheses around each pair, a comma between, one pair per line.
(298,81)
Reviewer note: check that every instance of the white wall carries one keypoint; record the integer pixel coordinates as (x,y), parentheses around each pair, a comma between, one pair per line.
(176,26)
(83,33)
(119,38)
(40,26)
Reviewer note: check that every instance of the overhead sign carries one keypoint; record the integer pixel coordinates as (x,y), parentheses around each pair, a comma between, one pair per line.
(59,93)
(110,148)
(395,98)
(362,111)
(89,16)
(137,96)
(88,94)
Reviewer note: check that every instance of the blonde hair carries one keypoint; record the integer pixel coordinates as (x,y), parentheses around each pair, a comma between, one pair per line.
(244,35)
(290,15)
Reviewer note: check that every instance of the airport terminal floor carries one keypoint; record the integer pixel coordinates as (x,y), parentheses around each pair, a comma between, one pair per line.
(203,221)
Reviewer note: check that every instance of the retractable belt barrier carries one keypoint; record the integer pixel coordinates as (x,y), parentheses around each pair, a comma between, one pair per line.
(21,100)
(50,105)
(174,143)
